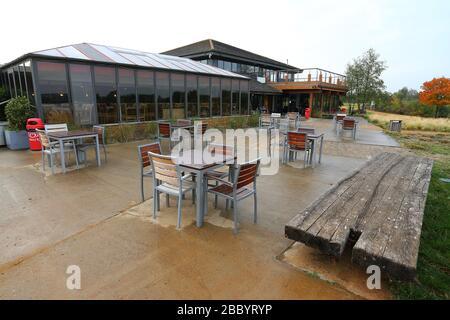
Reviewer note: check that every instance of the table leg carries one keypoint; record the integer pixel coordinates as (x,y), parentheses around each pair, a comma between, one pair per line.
(313,156)
(320,151)
(63,160)
(200,202)
(97,147)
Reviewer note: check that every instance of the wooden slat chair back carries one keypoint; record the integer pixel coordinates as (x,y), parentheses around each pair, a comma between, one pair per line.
(145,149)
(60,127)
(168,178)
(239,188)
(265,120)
(100,130)
(164,129)
(297,140)
(45,142)
(203,126)
(145,162)
(246,175)
(164,169)
(348,124)
(340,117)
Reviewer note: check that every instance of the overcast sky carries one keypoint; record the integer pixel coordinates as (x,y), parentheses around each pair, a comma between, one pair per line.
(413,36)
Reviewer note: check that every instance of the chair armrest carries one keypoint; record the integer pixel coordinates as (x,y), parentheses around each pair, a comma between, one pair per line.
(209,177)
(185,177)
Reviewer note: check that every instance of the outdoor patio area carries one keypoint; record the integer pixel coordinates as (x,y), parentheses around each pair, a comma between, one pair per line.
(93,218)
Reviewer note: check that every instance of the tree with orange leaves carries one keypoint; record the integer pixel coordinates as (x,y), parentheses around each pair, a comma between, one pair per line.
(436,93)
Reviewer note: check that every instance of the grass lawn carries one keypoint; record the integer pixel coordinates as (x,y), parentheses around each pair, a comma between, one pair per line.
(410,122)
(433,269)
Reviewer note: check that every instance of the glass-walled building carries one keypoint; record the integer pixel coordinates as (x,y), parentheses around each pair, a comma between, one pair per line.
(274,86)
(88,84)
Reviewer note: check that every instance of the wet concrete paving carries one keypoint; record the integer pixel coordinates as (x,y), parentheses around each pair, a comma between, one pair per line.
(89,218)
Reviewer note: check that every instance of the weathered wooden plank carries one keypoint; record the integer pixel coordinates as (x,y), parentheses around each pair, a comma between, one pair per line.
(382,215)
(337,228)
(310,215)
(383,202)
(394,245)
(335,203)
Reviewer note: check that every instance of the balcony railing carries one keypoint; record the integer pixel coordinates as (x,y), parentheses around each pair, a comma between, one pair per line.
(307,76)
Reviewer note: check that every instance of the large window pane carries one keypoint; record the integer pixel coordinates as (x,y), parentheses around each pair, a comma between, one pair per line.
(23,82)
(244,97)
(12,83)
(106,94)
(178,96)
(127,94)
(29,78)
(82,94)
(226,97)
(146,93)
(215,96)
(235,97)
(227,65)
(18,81)
(163,94)
(204,93)
(54,93)
(191,87)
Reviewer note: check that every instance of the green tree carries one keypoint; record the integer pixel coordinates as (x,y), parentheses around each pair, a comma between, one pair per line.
(364,79)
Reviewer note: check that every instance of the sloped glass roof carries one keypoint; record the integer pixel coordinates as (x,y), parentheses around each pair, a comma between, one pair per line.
(100,53)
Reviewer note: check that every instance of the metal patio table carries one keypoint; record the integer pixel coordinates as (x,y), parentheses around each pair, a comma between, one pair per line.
(62,136)
(200,168)
(315,138)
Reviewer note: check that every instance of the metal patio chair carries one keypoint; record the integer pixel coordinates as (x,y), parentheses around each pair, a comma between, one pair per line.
(145,162)
(350,125)
(297,142)
(165,132)
(168,178)
(83,147)
(222,150)
(265,121)
(338,118)
(59,127)
(51,149)
(294,118)
(238,189)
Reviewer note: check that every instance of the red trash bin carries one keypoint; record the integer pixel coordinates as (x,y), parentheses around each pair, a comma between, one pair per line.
(33,136)
(307,113)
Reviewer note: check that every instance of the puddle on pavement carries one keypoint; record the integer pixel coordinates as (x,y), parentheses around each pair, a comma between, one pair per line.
(340,272)
(168,217)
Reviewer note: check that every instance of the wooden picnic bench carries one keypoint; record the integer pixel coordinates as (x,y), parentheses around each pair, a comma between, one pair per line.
(380,206)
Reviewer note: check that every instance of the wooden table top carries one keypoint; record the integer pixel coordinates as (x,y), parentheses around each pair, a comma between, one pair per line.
(194,159)
(71,134)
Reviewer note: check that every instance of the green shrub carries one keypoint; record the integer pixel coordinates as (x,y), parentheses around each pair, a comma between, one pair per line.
(17,111)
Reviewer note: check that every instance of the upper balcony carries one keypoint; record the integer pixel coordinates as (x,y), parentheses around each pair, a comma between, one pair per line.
(307,79)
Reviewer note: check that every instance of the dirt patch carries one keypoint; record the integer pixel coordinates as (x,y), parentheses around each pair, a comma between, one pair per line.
(340,272)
